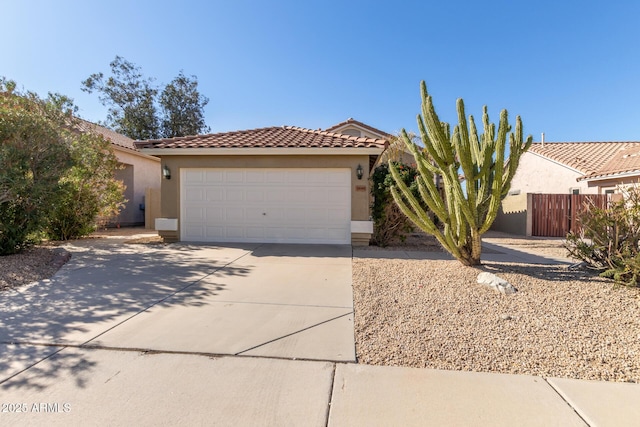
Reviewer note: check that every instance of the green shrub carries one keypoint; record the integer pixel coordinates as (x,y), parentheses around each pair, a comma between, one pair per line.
(610,237)
(54,180)
(388,221)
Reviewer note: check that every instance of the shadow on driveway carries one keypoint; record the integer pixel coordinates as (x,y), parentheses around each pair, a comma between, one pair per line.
(102,286)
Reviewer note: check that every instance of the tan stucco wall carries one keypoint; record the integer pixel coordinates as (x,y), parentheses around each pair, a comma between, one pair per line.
(512,216)
(601,186)
(170,189)
(146,174)
(536,174)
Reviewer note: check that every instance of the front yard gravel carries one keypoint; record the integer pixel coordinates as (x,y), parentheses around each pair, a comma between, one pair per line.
(432,313)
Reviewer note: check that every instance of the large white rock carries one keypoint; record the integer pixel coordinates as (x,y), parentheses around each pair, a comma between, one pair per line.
(496,283)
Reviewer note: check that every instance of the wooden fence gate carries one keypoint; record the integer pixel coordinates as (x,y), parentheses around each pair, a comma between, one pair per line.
(555,215)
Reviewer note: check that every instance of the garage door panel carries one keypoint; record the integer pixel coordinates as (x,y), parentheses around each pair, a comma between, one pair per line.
(274,196)
(234,232)
(254,177)
(215,214)
(254,215)
(337,215)
(214,194)
(337,196)
(266,205)
(234,215)
(254,195)
(193,176)
(194,194)
(274,177)
(256,233)
(194,213)
(234,195)
(213,177)
(195,232)
(234,176)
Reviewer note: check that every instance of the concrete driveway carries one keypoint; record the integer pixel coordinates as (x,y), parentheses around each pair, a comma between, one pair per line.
(284,301)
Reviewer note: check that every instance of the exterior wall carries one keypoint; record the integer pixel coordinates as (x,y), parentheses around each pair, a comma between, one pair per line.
(601,186)
(143,172)
(512,216)
(170,188)
(536,174)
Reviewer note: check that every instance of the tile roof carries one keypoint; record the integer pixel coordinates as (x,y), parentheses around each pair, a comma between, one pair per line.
(271,137)
(114,137)
(585,157)
(351,121)
(626,160)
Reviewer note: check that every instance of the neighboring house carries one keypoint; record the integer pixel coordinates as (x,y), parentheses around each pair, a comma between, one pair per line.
(274,185)
(567,168)
(575,167)
(139,173)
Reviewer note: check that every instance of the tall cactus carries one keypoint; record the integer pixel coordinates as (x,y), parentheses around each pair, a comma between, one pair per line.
(466,212)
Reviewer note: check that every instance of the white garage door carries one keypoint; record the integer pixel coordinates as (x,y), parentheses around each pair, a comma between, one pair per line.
(266,205)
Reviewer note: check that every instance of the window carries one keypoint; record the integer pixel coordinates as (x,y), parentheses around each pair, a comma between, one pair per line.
(609,191)
(575,191)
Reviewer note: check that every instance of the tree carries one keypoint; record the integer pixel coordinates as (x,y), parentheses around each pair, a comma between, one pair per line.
(183,108)
(41,152)
(130,98)
(466,212)
(88,191)
(33,157)
(137,111)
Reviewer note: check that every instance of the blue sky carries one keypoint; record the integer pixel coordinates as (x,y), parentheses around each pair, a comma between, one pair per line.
(569,68)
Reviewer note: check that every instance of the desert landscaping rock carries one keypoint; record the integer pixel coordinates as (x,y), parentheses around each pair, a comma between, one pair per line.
(560,323)
(496,283)
(33,264)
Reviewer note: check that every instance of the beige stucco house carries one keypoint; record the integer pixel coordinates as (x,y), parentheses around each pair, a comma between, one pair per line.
(573,167)
(274,185)
(139,172)
(567,168)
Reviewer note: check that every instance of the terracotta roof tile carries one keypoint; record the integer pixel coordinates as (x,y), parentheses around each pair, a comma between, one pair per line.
(351,121)
(114,137)
(625,160)
(586,157)
(271,137)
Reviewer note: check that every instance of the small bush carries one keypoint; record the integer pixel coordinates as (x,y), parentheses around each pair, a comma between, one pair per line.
(389,222)
(610,238)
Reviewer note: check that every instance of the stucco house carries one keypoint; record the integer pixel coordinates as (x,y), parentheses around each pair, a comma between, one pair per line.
(577,167)
(274,185)
(140,172)
(567,168)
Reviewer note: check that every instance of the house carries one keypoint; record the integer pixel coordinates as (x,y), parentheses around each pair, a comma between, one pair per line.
(356,128)
(274,185)
(140,173)
(567,168)
(575,167)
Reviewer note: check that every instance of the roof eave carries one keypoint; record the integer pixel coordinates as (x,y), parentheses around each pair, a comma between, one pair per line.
(134,152)
(609,176)
(262,151)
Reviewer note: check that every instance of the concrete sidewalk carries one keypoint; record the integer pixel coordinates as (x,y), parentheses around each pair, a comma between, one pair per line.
(70,351)
(79,386)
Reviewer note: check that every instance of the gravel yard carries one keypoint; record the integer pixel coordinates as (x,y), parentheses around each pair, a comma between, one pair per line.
(432,313)
(34,264)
